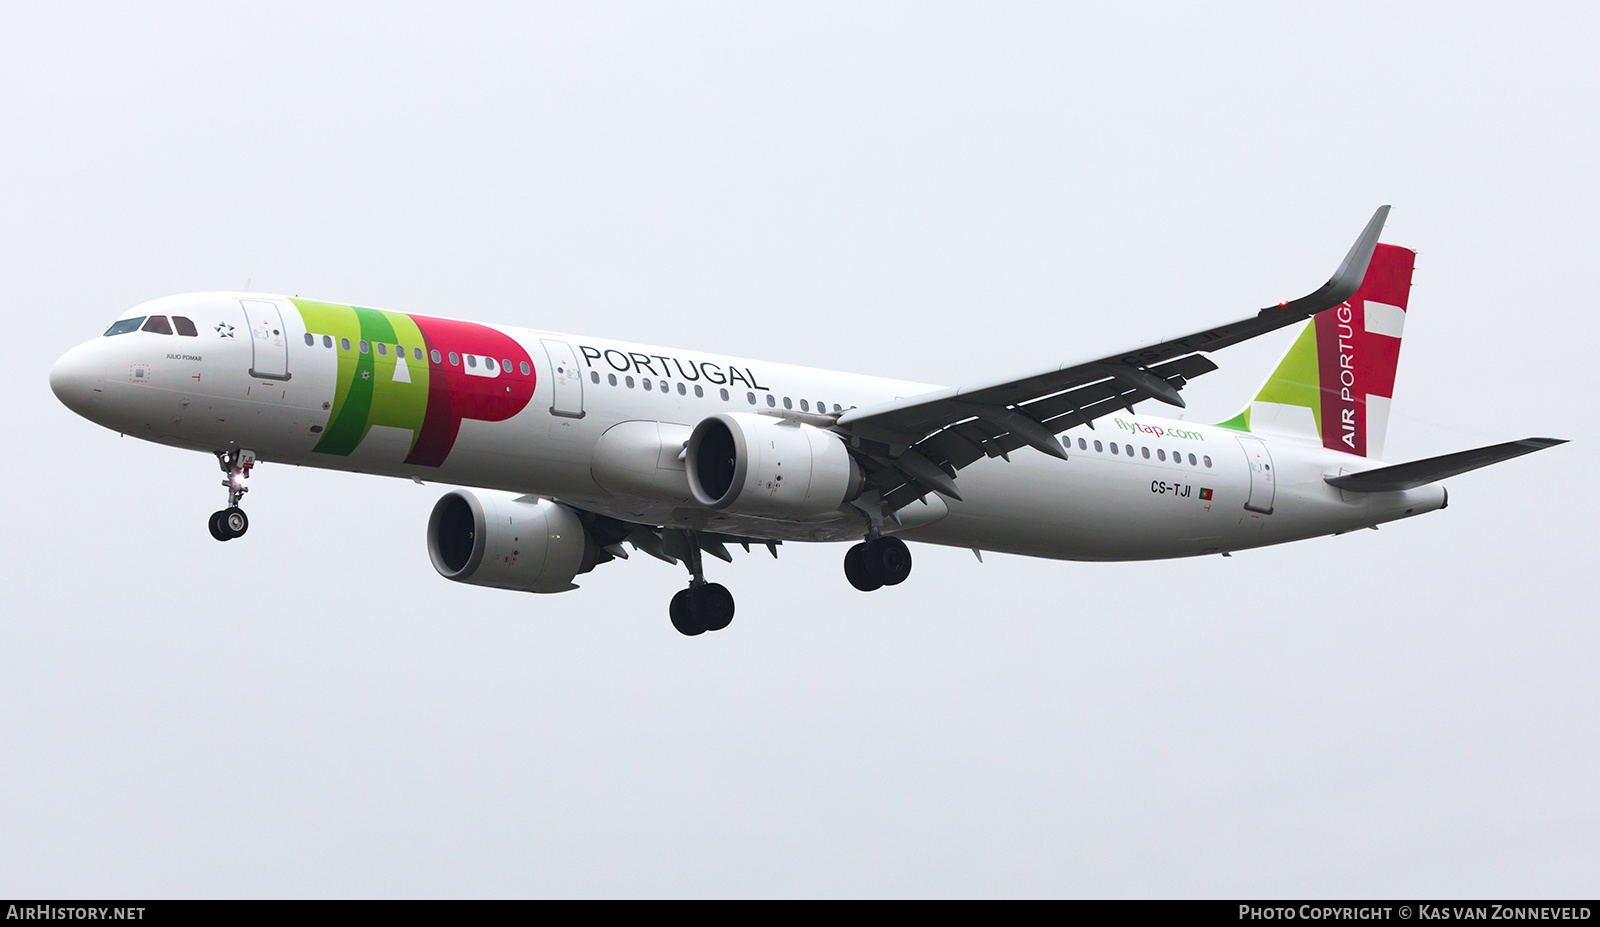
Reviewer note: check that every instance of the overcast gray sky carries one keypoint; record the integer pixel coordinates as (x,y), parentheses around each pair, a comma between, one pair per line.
(938,192)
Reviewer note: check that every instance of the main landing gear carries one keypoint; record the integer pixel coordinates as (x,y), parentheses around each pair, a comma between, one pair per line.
(232,522)
(703,606)
(877,562)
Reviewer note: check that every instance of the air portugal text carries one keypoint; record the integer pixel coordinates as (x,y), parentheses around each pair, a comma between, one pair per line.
(658,365)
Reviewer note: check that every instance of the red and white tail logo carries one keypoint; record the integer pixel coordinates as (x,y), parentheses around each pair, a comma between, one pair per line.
(1358,351)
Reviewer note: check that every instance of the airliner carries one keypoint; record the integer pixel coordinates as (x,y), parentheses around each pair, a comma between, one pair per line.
(572,450)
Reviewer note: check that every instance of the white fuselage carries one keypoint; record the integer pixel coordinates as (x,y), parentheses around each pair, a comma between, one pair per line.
(1170,489)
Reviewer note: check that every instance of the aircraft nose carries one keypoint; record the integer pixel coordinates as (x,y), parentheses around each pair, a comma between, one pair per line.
(78,378)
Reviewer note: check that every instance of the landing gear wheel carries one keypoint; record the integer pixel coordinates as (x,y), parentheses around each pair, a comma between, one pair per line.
(232,522)
(890,559)
(859,571)
(712,604)
(682,613)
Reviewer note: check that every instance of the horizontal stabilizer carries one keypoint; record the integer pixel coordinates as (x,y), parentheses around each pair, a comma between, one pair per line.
(1422,472)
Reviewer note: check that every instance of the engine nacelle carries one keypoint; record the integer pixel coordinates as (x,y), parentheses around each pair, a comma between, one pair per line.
(759,465)
(492,539)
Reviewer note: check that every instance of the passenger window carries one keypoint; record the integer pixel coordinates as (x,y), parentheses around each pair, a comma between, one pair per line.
(698,392)
(663,385)
(629,381)
(435,355)
(1145,452)
(724,395)
(1083,445)
(1128,448)
(1097,447)
(344,344)
(184,326)
(1161,454)
(310,339)
(594,375)
(1113,449)
(804,406)
(488,363)
(645,382)
(787,404)
(327,341)
(158,325)
(124,326)
(682,390)
(472,361)
(836,407)
(1208,461)
(752,397)
(383,349)
(611,378)
(363,347)
(416,354)
(506,363)
(455,359)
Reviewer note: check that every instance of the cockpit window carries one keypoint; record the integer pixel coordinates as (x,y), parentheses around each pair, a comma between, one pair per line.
(184,327)
(123,327)
(158,324)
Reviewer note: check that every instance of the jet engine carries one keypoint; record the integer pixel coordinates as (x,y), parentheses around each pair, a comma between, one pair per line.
(498,539)
(747,464)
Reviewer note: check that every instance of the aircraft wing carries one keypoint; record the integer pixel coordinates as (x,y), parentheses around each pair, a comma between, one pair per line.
(917,444)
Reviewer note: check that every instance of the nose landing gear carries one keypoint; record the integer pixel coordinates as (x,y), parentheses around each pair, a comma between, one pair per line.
(232,522)
(877,562)
(229,523)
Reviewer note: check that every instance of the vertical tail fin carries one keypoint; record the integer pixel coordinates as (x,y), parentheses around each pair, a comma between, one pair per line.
(1336,381)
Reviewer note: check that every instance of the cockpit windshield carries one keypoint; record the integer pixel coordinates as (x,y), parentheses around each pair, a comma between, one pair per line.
(159,325)
(124,326)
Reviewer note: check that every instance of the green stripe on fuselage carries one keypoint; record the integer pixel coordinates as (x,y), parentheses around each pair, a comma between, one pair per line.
(366,391)
(399,400)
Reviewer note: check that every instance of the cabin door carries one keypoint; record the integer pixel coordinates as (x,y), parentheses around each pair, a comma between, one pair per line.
(1261,479)
(566,396)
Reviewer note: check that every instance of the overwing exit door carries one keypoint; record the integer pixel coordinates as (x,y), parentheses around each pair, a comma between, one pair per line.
(1261,480)
(566,379)
(270,347)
